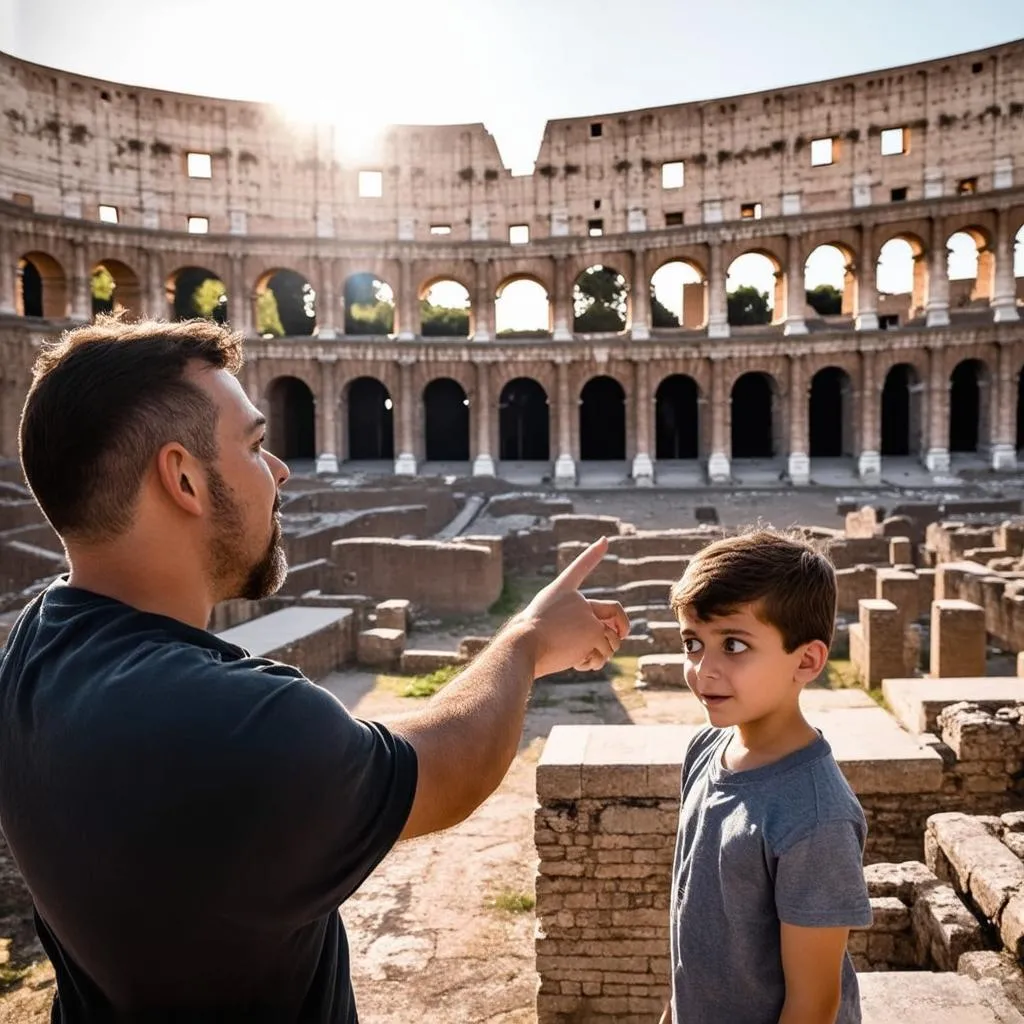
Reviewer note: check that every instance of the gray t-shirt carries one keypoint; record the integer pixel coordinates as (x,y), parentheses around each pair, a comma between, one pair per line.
(781,843)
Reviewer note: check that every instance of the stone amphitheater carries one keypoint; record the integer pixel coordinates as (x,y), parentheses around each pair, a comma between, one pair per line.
(410,532)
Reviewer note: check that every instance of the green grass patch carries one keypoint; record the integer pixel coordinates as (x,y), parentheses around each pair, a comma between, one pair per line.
(11,976)
(838,674)
(510,601)
(428,685)
(513,902)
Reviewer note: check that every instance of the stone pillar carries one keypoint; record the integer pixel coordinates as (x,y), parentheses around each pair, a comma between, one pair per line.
(327,418)
(240,302)
(796,296)
(483,464)
(640,298)
(869,459)
(876,642)
(643,467)
(7,276)
(718,301)
(1004,425)
(937,305)
(799,463)
(936,457)
(958,640)
(1004,290)
(721,450)
(326,301)
(866,312)
(565,465)
(405,464)
(81,304)
(157,306)
(483,307)
(408,325)
(561,302)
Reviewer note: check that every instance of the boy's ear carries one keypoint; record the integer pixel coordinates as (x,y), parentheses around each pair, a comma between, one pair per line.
(812,662)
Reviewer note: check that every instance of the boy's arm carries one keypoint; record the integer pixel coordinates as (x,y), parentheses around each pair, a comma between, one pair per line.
(812,962)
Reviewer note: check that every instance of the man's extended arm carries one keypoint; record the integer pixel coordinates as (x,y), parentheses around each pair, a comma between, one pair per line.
(466,737)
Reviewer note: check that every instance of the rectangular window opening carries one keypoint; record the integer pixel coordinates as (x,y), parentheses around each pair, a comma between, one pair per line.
(595,228)
(108,214)
(894,141)
(597,204)
(519,234)
(24,200)
(198,225)
(440,229)
(967,186)
(200,165)
(821,152)
(673,174)
(898,195)
(371,184)
(596,130)
(673,220)
(751,211)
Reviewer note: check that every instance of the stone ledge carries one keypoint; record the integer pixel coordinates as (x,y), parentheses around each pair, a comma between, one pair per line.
(916,703)
(902,997)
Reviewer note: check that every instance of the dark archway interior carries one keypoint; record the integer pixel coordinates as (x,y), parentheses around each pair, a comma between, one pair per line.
(446,412)
(296,302)
(752,427)
(292,420)
(965,407)
(827,413)
(371,420)
(896,424)
(676,419)
(603,420)
(188,299)
(523,421)
(31,289)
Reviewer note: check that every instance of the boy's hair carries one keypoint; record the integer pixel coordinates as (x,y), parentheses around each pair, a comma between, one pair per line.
(793,585)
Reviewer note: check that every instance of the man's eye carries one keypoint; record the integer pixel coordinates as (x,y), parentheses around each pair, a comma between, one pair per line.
(259,444)
(734,646)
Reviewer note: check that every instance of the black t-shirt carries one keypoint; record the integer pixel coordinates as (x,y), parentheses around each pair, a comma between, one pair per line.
(188,819)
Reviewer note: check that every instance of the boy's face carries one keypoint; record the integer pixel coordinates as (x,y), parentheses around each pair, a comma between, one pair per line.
(737,667)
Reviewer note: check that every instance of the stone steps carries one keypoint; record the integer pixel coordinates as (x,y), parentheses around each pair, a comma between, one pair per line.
(919,997)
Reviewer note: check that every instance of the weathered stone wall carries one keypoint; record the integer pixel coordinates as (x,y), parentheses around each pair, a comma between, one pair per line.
(307,544)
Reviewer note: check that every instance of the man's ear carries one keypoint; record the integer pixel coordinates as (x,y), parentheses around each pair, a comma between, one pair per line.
(813,658)
(180,478)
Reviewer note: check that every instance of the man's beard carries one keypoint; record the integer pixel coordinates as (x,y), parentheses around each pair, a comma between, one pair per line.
(232,577)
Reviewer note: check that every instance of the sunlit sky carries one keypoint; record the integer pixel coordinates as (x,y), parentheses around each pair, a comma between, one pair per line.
(511,65)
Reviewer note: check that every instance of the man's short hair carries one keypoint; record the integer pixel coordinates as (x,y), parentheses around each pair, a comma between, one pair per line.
(104,400)
(792,585)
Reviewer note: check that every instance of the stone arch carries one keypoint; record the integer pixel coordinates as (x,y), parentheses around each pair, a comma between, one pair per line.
(901,411)
(113,286)
(42,288)
(756,288)
(285,305)
(970,267)
(677,418)
(968,406)
(830,414)
(602,420)
(522,308)
(753,416)
(446,421)
(371,420)
(446,309)
(600,301)
(291,430)
(197,291)
(369,303)
(524,422)
(679,295)
(901,274)
(830,281)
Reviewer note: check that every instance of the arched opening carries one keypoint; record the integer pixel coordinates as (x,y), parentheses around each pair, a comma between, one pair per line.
(901,411)
(115,286)
(285,305)
(445,310)
(677,418)
(523,422)
(371,420)
(829,282)
(600,301)
(42,287)
(369,305)
(1020,411)
(1018,264)
(291,430)
(830,406)
(967,408)
(902,279)
(756,290)
(522,309)
(753,416)
(446,421)
(196,291)
(970,266)
(602,420)
(678,296)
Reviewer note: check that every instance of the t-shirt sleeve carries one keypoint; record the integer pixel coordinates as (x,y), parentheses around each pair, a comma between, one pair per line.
(819,879)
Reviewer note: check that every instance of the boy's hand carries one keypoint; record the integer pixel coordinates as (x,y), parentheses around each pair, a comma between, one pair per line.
(568,630)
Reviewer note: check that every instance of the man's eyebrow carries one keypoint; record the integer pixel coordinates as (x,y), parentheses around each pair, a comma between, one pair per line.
(257,423)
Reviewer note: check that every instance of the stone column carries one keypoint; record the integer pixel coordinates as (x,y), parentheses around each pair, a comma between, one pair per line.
(866,313)
(796,296)
(408,325)
(327,417)
(1004,426)
(936,306)
(155,288)
(799,463)
(6,273)
(483,302)
(643,467)
(565,465)
(561,302)
(1004,290)
(721,450)
(718,301)
(640,298)
(405,464)
(483,464)
(81,305)
(240,302)
(869,460)
(326,301)
(936,457)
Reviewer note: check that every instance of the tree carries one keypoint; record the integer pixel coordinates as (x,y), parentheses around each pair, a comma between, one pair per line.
(362,290)
(661,315)
(599,300)
(102,286)
(443,321)
(748,306)
(268,319)
(210,300)
(826,299)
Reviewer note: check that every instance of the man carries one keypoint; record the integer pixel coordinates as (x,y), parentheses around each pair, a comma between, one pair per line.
(187,818)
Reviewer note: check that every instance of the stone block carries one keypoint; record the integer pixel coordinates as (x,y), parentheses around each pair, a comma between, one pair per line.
(958,639)
(944,928)
(902,589)
(904,881)
(471,646)
(862,523)
(889,914)
(901,551)
(665,637)
(394,614)
(416,662)
(380,648)
(854,585)
(661,672)
(881,626)
(636,645)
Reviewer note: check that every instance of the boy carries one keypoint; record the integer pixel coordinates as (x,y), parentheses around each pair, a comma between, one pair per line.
(768,875)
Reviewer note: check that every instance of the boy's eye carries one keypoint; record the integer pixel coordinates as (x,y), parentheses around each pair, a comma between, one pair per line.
(734,646)
(691,645)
